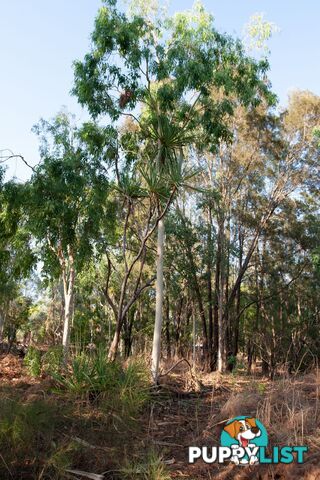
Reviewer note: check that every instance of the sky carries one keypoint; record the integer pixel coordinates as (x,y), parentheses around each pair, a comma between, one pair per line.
(39,40)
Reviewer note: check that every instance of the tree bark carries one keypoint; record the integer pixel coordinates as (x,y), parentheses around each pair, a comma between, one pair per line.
(68,286)
(216,305)
(168,337)
(222,354)
(238,300)
(113,350)
(156,346)
(209,286)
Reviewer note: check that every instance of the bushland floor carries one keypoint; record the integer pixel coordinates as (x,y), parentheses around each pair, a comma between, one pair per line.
(187,409)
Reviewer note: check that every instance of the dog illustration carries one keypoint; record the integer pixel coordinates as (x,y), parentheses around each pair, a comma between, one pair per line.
(243,431)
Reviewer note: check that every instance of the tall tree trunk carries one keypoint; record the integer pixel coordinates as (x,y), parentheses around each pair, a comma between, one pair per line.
(264,350)
(68,283)
(178,315)
(216,305)
(209,286)
(66,323)
(238,299)
(227,319)
(128,325)
(113,350)
(156,346)
(198,297)
(222,354)
(168,337)
(263,222)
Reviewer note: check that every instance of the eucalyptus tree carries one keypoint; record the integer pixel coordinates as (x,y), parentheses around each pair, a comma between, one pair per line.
(283,164)
(68,211)
(16,256)
(161,74)
(277,319)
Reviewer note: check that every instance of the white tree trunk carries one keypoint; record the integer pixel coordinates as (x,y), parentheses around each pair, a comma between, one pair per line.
(156,347)
(68,303)
(66,324)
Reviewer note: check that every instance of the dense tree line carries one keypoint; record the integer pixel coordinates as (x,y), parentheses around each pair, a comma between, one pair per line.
(187,208)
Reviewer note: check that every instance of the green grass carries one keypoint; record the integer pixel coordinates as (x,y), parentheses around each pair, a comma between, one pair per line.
(96,402)
(149,468)
(24,426)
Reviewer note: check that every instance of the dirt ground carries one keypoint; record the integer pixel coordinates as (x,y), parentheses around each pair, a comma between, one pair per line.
(191,409)
(289,408)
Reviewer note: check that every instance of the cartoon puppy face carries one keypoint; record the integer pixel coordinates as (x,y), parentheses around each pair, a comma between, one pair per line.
(243,430)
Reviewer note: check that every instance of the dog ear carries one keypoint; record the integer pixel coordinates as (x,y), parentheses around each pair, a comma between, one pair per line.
(251,421)
(231,429)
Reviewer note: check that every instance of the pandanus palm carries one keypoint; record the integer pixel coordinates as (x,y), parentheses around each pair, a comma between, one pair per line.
(161,73)
(165,177)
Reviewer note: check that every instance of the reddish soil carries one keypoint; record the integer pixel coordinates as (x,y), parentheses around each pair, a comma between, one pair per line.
(191,411)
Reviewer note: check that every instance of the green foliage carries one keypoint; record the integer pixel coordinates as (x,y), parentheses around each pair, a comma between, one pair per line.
(67,195)
(149,468)
(258,31)
(261,388)
(32,361)
(130,391)
(116,389)
(16,255)
(62,457)
(30,440)
(52,360)
(80,379)
(157,65)
(24,427)
(232,360)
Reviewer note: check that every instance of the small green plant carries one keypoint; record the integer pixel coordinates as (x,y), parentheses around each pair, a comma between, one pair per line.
(261,388)
(238,368)
(78,379)
(29,440)
(24,427)
(63,456)
(149,468)
(130,391)
(52,360)
(232,360)
(32,361)
(118,390)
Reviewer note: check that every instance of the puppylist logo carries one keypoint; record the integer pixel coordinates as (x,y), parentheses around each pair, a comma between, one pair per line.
(244,441)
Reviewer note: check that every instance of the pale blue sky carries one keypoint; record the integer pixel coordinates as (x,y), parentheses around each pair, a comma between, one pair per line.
(40,38)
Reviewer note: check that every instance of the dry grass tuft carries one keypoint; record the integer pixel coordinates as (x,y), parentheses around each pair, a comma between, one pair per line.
(244,403)
(290,411)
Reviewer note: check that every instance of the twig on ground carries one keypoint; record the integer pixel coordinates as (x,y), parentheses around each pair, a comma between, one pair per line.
(175,365)
(93,476)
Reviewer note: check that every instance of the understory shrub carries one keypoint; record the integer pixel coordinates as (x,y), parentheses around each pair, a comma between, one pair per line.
(31,443)
(111,386)
(25,427)
(51,361)
(32,361)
